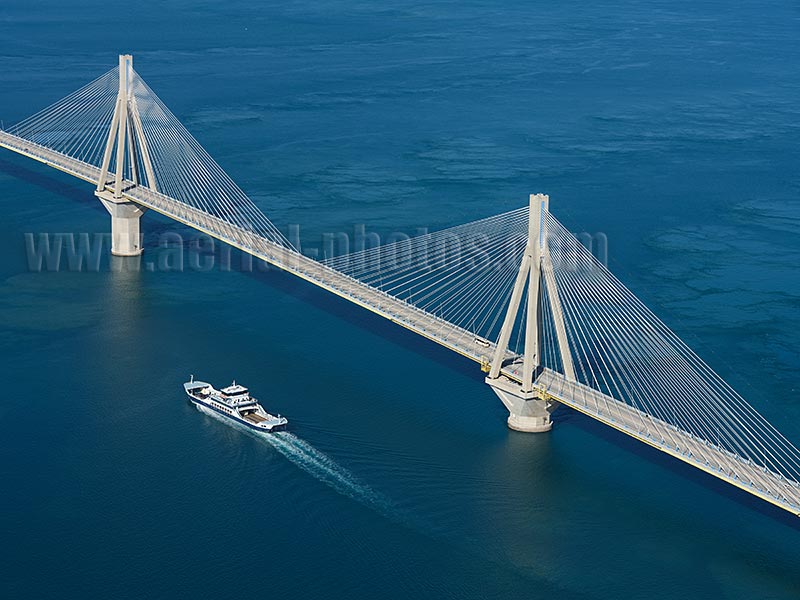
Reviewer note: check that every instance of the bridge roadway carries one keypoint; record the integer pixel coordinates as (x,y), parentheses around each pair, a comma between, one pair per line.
(740,472)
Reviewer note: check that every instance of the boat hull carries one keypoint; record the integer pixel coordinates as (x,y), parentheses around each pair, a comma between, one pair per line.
(206,406)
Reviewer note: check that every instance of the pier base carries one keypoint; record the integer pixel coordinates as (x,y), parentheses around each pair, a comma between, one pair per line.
(528,411)
(126,238)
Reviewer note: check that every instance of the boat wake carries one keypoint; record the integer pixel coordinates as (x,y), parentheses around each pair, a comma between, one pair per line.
(319,465)
(322,467)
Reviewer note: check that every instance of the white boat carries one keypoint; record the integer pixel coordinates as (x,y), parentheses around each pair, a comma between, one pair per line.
(235,403)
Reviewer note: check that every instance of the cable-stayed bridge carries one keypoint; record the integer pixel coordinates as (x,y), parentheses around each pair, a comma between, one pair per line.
(516,292)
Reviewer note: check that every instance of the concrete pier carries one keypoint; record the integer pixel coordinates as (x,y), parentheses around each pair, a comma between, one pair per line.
(528,411)
(126,237)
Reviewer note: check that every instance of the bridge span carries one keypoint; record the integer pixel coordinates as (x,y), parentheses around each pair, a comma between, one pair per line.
(516,292)
(403,313)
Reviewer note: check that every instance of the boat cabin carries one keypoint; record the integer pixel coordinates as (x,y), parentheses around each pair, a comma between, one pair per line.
(234,391)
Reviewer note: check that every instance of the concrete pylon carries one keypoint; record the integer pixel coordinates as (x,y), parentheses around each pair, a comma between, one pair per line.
(529,407)
(127,137)
(126,237)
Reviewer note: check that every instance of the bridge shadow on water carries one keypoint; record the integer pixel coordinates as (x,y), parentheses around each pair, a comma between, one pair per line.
(54,182)
(568,417)
(365,320)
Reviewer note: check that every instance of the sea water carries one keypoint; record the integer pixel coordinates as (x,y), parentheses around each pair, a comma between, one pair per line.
(671,128)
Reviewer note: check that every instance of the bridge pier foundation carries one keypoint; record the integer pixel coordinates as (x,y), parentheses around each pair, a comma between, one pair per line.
(528,411)
(126,238)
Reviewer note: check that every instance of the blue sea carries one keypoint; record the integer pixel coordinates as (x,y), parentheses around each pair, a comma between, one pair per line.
(670,127)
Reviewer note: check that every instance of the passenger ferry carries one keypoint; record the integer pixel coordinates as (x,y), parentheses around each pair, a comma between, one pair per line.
(235,403)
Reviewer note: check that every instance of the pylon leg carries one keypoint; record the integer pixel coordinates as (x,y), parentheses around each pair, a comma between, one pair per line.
(529,410)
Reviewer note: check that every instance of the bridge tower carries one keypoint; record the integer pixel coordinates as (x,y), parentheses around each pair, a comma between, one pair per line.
(126,142)
(529,406)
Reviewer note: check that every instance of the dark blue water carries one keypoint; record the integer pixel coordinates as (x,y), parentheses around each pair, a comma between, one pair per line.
(672,127)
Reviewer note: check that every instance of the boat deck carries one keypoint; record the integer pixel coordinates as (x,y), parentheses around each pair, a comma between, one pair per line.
(254,418)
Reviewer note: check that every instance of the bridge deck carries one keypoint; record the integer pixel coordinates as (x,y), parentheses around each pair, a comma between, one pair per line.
(619,415)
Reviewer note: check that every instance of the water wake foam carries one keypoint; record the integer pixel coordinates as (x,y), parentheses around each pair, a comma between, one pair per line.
(323,468)
(320,466)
